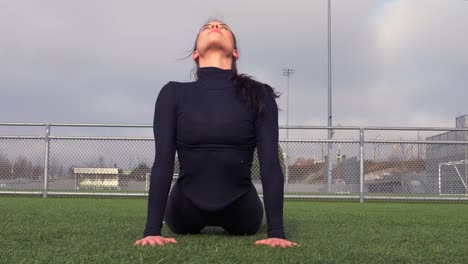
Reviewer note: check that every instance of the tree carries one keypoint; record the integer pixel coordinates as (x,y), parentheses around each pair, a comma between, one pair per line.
(22,168)
(5,167)
(55,168)
(100,162)
(139,173)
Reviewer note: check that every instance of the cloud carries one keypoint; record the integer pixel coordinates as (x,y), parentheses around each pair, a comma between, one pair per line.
(394,62)
(423,56)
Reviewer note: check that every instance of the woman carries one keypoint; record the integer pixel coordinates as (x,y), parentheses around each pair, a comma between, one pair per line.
(215,124)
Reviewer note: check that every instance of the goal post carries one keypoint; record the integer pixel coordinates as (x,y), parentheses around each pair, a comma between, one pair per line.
(464,182)
(147,179)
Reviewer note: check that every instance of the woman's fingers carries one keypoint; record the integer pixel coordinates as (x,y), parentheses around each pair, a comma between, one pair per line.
(170,240)
(283,244)
(272,242)
(154,240)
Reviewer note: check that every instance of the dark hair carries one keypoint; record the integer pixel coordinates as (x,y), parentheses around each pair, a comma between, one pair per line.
(247,88)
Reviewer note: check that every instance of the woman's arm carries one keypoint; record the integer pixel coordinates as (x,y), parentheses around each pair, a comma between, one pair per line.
(271,175)
(164,128)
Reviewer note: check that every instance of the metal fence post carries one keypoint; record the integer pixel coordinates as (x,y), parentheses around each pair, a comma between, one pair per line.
(46,160)
(361,165)
(287,166)
(440,181)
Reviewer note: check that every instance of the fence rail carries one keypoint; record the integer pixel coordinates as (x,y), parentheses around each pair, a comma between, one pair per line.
(365,167)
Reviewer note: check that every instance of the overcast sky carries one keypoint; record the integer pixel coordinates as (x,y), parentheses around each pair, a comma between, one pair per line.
(395,62)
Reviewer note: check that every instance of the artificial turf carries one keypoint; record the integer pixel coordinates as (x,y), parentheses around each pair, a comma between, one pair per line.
(90,230)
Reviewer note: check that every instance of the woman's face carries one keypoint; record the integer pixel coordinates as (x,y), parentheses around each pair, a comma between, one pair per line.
(215,35)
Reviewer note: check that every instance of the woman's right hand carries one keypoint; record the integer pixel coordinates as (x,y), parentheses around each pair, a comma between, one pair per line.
(155,240)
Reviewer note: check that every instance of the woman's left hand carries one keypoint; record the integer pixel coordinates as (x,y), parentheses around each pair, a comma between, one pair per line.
(272,242)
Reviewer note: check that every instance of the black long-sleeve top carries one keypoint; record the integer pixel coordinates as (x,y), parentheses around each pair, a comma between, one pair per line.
(215,135)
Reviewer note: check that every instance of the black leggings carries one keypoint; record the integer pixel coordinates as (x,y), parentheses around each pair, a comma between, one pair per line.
(243,217)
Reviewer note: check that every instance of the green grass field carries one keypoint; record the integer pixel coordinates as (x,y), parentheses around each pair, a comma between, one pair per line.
(90,230)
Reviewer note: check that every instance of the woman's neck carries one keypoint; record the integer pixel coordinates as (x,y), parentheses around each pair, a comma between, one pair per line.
(215,59)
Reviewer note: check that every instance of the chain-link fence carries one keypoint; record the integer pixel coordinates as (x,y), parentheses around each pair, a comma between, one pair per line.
(366,162)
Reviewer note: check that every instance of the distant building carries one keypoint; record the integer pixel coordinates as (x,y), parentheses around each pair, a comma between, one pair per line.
(97,178)
(451,158)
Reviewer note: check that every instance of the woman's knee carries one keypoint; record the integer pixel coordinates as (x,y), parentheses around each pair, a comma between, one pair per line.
(240,230)
(245,218)
(180,217)
(184,229)
(177,224)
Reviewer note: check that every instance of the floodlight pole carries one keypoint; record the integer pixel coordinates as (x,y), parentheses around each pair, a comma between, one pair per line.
(330,131)
(287,72)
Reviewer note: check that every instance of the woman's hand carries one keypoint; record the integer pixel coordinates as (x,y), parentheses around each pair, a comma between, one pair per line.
(272,242)
(155,240)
